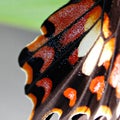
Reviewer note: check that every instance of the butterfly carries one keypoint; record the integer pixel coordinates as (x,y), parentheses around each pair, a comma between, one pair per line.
(73,67)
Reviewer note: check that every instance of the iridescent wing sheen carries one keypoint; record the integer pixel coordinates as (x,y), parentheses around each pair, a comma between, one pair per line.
(73,68)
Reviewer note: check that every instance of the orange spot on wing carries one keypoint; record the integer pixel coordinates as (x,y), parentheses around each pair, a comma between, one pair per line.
(54,110)
(82,110)
(34,100)
(114,79)
(44,30)
(71,94)
(47,54)
(29,72)
(118,90)
(37,43)
(57,110)
(97,86)
(107,53)
(46,83)
(106,25)
(93,17)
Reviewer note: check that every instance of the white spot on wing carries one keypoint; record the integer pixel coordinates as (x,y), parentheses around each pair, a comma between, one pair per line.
(89,40)
(92,58)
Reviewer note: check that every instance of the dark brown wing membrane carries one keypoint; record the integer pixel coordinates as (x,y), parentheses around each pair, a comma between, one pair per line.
(74,66)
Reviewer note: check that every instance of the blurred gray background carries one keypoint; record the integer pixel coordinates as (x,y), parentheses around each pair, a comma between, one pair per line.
(14,105)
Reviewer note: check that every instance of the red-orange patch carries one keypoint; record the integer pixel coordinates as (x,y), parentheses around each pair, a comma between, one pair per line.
(73,58)
(64,17)
(71,94)
(74,32)
(97,86)
(81,26)
(46,83)
(47,54)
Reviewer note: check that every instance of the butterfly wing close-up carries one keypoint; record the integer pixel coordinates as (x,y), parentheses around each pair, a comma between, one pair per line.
(73,67)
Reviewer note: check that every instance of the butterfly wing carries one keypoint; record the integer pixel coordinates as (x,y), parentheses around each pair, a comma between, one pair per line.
(71,66)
